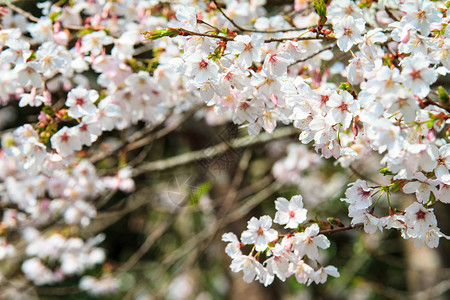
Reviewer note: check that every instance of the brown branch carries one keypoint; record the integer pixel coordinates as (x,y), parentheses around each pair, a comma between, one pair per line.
(20,11)
(432,102)
(338,229)
(391,14)
(297,39)
(185,32)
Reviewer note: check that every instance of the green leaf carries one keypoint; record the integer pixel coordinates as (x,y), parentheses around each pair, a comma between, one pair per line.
(199,192)
(48,110)
(346,86)
(54,15)
(321,9)
(443,96)
(385,171)
(152,35)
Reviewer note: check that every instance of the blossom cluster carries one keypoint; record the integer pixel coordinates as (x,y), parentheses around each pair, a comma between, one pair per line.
(286,255)
(355,79)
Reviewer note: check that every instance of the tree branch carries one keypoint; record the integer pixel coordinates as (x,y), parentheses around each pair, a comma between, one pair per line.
(213,151)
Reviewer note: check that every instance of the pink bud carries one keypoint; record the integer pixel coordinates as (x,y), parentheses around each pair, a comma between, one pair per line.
(406,35)
(141,13)
(274,99)
(48,96)
(78,46)
(42,117)
(57,27)
(431,135)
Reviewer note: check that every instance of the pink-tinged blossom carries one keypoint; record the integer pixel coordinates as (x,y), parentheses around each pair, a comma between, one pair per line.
(50,58)
(371,38)
(442,159)
(276,64)
(28,74)
(259,232)
(348,32)
(247,49)
(6,250)
(233,249)
(81,102)
(187,15)
(42,30)
(201,69)
(386,81)
(18,51)
(231,78)
(370,222)
(418,220)
(417,76)
(94,42)
(88,132)
(321,275)
(80,212)
(302,271)
(108,114)
(250,266)
(308,242)
(31,99)
(124,46)
(343,107)
(66,141)
(290,212)
(420,14)
(431,238)
(358,195)
(422,187)
(278,263)
(122,181)
(444,189)
(343,8)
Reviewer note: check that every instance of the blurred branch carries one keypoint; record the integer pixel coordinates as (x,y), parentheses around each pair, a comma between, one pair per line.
(212,151)
(139,139)
(18,10)
(434,291)
(196,244)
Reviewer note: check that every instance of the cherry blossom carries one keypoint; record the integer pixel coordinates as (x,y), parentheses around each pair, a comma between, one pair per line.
(259,232)
(308,241)
(83,68)
(290,212)
(349,31)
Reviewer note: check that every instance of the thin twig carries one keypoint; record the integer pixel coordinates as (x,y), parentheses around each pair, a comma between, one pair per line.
(362,176)
(329,47)
(20,11)
(300,38)
(185,32)
(432,102)
(338,229)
